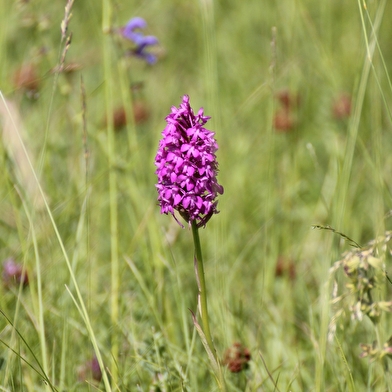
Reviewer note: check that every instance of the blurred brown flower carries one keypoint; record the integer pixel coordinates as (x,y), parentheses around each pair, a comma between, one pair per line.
(285,266)
(26,78)
(140,111)
(90,370)
(341,107)
(287,99)
(68,68)
(236,358)
(120,120)
(283,121)
(285,116)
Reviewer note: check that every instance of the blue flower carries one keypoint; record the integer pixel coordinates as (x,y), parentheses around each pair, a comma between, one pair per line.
(141,41)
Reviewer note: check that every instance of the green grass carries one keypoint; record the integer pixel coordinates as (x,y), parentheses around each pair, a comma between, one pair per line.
(110,276)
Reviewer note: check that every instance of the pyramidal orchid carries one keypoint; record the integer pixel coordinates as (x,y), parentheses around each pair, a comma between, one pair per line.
(187,167)
(187,182)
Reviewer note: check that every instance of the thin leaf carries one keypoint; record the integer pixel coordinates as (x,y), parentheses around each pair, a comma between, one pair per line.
(203,338)
(347,238)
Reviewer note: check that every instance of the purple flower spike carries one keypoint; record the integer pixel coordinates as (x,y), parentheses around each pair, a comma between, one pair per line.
(141,42)
(187,167)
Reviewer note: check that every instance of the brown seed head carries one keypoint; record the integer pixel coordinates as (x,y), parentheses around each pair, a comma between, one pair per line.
(141,112)
(14,274)
(283,121)
(236,358)
(120,117)
(341,107)
(287,99)
(90,370)
(285,266)
(26,78)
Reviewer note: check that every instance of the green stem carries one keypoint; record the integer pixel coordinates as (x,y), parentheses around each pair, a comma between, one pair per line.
(201,283)
(115,275)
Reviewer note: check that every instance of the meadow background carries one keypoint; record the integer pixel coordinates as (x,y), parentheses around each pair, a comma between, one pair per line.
(300,97)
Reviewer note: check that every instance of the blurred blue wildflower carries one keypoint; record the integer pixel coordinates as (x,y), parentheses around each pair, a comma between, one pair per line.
(142,42)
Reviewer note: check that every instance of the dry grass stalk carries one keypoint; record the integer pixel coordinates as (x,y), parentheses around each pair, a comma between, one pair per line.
(21,156)
(67,18)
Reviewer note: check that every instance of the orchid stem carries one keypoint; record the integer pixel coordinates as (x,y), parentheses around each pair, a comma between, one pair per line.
(202,297)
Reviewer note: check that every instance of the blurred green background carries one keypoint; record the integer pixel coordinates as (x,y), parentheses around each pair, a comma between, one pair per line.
(300,97)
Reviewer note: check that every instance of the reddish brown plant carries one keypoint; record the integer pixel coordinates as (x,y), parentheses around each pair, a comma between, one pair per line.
(120,115)
(341,107)
(285,266)
(26,78)
(287,99)
(90,370)
(237,358)
(14,274)
(283,121)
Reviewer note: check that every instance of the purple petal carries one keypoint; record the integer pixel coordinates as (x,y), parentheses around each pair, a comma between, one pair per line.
(150,40)
(177,199)
(186,202)
(134,23)
(150,58)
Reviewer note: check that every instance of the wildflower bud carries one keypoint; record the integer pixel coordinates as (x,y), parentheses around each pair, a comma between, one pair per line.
(387,349)
(120,118)
(285,266)
(90,370)
(187,166)
(236,358)
(365,350)
(26,79)
(287,99)
(140,112)
(341,107)
(374,352)
(283,121)
(14,274)
(386,306)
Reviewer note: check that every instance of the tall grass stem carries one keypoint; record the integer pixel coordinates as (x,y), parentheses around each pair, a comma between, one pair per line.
(202,296)
(115,280)
(203,309)
(81,304)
